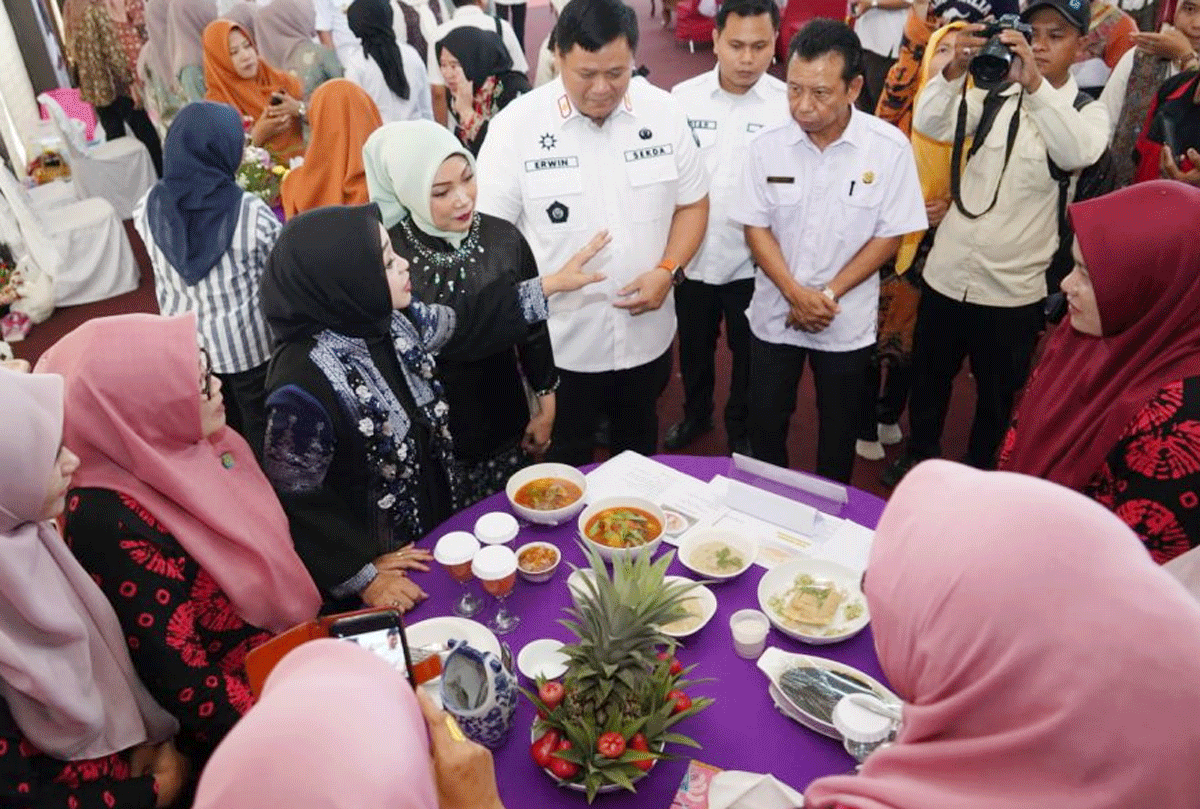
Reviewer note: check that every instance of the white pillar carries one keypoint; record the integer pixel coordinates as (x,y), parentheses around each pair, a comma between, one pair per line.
(19,115)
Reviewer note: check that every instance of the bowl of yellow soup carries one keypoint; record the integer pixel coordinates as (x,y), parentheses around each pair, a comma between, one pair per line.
(622,526)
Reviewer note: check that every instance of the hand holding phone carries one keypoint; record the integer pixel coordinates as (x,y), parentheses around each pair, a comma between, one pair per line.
(276,99)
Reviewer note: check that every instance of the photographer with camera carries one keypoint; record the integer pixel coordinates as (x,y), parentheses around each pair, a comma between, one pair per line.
(985,278)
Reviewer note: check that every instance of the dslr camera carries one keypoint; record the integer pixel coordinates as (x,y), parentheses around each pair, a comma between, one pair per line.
(989,68)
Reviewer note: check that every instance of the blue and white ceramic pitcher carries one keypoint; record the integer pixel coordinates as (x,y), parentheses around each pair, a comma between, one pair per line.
(479,692)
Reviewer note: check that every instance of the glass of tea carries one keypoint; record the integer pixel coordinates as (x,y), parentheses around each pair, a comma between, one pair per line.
(496,568)
(454,553)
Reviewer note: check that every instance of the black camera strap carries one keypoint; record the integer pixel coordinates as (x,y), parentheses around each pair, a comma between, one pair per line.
(992,103)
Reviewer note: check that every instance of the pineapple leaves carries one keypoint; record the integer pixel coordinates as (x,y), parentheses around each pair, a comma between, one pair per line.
(615,679)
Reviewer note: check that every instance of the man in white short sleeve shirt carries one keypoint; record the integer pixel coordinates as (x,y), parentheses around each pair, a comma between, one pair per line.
(825,199)
(725,107)
(588,151)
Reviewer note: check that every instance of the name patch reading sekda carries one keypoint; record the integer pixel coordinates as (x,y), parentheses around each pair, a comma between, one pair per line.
(552,163)
(647,152)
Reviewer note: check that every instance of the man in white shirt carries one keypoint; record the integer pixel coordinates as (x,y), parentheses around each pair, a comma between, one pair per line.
(725,107)
(826,197)
(592,150)
(333,29)
(984,281)
(468,12)
(880,26)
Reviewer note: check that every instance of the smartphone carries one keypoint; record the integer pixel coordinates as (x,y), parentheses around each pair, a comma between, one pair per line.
(381,632)
(1171,139)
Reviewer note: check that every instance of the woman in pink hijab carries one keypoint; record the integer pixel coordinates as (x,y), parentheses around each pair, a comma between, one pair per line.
(172,516)
(336,757)
(77,727)
(1043,658)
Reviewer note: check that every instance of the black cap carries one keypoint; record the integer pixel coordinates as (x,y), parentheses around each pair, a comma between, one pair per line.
(1077,12)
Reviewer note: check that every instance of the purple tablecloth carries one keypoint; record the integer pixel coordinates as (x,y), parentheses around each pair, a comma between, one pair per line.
(741,731)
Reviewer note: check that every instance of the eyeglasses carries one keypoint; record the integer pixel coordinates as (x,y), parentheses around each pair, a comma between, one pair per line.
(206,373)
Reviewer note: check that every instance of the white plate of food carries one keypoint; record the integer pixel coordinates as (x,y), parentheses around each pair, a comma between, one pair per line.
(717,554)
(805,687)
(436,633)
(812,600)
(701,606)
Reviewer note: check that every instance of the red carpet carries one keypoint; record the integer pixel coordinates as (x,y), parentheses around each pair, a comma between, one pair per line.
(670,62)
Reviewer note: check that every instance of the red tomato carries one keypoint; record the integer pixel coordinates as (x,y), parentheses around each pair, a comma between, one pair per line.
(543,747)
(610,744)
(638,742)
(560,767)
(682,701)
(676,666)
(551,694)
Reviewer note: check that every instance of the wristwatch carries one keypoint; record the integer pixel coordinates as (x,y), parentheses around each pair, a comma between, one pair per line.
(829,293)
(676,271)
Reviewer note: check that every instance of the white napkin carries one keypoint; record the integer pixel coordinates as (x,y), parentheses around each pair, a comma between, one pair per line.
(735,789)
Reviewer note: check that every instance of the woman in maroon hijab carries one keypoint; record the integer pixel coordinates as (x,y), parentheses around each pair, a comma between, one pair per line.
(1113,409)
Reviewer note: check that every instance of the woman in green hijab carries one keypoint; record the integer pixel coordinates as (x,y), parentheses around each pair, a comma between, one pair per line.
(501,402)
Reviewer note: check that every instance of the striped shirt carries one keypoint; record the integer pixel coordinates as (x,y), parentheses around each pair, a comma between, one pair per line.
(227,304)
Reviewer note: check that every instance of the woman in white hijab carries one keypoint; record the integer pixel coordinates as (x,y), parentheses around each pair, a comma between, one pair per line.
(423,180)
(77,727)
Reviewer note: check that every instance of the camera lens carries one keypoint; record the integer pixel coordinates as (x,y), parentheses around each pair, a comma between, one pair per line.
(990,66)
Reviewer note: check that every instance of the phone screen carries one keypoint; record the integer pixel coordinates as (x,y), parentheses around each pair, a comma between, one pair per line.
(381,633)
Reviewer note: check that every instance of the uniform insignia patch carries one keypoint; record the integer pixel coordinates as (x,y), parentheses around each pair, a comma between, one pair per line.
(558,212)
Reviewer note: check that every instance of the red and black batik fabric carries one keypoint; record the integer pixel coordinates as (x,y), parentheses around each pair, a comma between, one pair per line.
(30,779)
(187,643)
(1151,478)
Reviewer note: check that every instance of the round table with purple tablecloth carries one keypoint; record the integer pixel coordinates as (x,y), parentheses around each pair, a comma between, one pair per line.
(741,731)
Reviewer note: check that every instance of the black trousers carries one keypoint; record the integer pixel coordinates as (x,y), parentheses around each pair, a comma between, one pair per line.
(887,405)
(629,398)
(839,377)
(699,308)
(114,117)
(515,14)
(245,394)
(999,342)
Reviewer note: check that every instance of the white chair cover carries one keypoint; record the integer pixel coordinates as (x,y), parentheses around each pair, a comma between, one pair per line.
(81,245)
(119,170)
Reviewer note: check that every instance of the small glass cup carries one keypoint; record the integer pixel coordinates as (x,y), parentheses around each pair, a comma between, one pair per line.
(496,568)
(749,628)
(454,553)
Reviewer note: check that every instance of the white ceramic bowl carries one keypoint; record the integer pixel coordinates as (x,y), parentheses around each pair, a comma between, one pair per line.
(546,470)
(849,619)
(616,502)
(744,547)
(543,657)
(707,607)
(542,575)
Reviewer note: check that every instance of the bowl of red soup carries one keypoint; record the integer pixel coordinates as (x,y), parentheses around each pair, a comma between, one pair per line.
(547,493)
(622,526)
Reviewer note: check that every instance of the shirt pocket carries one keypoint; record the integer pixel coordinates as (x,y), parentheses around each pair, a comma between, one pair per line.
(652,186)
(859,210)
(554,199)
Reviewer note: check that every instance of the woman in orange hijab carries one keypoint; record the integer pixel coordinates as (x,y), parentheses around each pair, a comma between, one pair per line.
(235,75)
(342,117)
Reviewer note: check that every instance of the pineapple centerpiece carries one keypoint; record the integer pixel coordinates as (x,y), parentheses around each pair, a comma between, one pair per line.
(610,717)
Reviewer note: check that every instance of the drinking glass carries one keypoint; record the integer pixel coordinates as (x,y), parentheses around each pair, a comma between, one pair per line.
(454,553)
(496,568)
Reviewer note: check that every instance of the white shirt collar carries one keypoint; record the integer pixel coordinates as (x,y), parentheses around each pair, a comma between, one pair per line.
(853,134)
(714,77)
(568,111)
